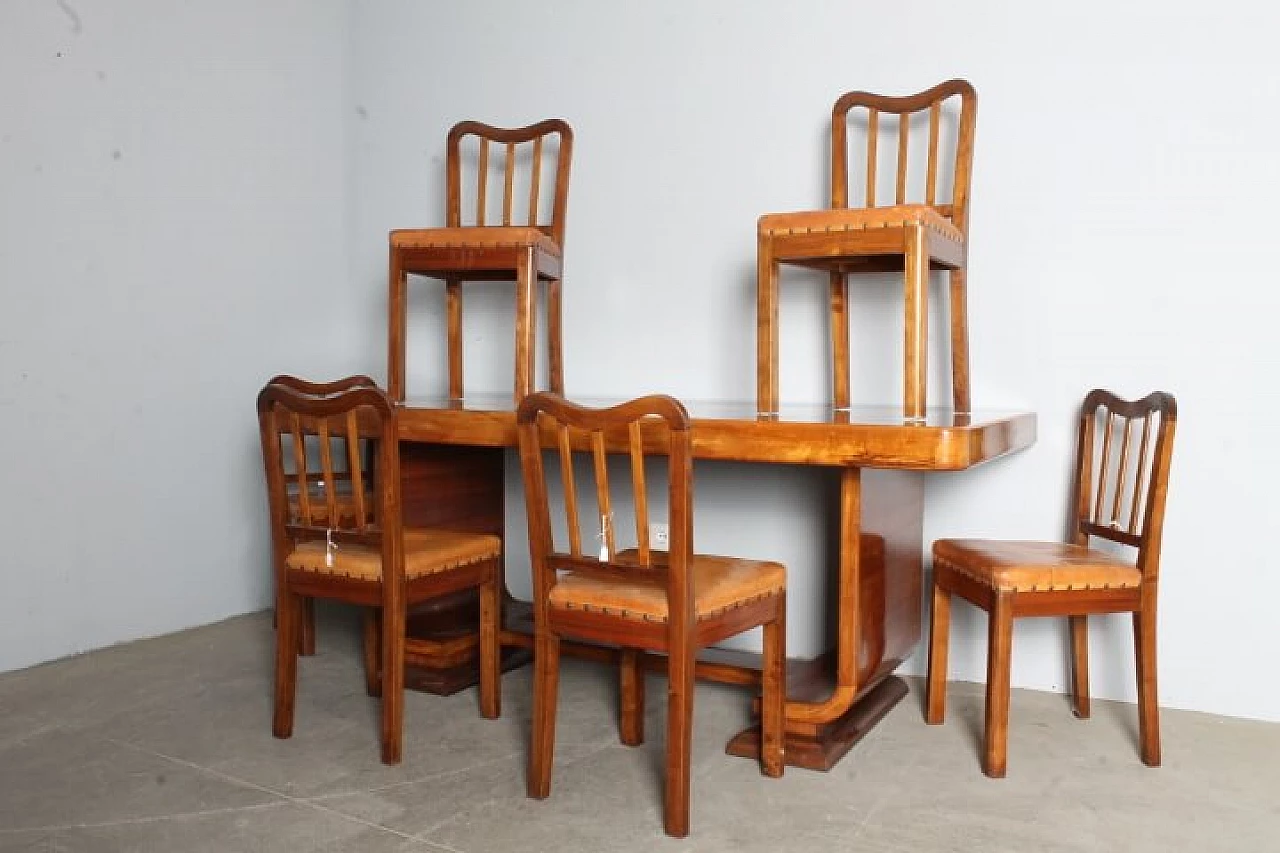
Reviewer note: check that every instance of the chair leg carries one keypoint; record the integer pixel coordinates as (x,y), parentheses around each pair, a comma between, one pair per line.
(1079,665)
(679,738)
(960,341)
(453,311)
(372,637)
(773,701)
(555,334)
(916,339)
(839,304)
(999,654)
(631,698)
(939,639)
(1144,642)
(288,614)
(526,323)
(393,618)
(490,650)
(307,630)
(766,326)
(546,678)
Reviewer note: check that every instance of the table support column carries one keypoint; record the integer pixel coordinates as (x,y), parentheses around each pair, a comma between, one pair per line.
(460,488)
(836,699)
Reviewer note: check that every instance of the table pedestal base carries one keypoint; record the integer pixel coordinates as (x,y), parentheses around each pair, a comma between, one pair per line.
(821,752)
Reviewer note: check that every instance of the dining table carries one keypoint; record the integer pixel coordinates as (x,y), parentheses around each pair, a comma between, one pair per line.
(877,460)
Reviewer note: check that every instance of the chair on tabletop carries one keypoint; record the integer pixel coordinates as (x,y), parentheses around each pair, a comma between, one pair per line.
(518,237)
(339,536)
(673,602)
(1122,474)
(925,227)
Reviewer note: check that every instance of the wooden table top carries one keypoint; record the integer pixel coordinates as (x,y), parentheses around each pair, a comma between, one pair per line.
(807,434)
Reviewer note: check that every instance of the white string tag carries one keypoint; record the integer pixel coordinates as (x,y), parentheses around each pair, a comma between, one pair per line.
(604,538)
(329,547)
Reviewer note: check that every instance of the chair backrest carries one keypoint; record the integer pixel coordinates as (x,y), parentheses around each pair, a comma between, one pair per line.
(654,426)
(332,464)
(1123,458)
(524,167)
(947,133)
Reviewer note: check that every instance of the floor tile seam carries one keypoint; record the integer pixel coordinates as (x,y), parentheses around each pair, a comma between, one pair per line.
(320,807)
(474,805)
(226,777)
(431,777)
(134,821)
(283,797)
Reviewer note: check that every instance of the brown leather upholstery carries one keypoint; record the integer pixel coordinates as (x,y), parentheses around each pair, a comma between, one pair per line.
(719,584)
(858,219)
(426,552)
(1034,566)
(491,236)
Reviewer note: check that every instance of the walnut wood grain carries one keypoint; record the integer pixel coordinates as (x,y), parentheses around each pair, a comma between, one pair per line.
(876,560)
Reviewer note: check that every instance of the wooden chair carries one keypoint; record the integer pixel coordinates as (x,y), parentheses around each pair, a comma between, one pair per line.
(912,237)
(1122,478)
(473,248)
(315,480)
(339,547)
(639,598)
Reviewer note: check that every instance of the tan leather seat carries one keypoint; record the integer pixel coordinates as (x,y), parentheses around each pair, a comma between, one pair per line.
(1034,566)
(719,584)
(426,552)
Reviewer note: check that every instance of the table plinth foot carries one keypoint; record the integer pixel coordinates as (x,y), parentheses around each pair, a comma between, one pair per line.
(823,751)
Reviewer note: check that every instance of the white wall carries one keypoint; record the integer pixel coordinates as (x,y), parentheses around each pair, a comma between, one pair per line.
(172,232)
(196,196)
(1123,180)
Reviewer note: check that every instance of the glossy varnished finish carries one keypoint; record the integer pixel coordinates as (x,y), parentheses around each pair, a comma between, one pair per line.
(350,545)
(588,589)
(912,233)
(870,436)
(875,459)
(459,488)
(511,238)
(1123,456)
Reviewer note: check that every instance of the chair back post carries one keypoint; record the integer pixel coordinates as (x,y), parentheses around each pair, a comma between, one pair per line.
(510,138)
(1153,539)
(350,410)
(904,107)
(680,519)
(537,507)
(1122,478)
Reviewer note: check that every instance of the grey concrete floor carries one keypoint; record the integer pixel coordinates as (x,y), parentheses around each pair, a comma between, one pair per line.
(165,745)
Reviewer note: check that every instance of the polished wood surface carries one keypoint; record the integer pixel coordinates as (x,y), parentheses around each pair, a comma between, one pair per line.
(459,488)
(670,601)
(917,232)
(1123,457)
(876,459)
(518,239)
(340,536)
(871,436)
